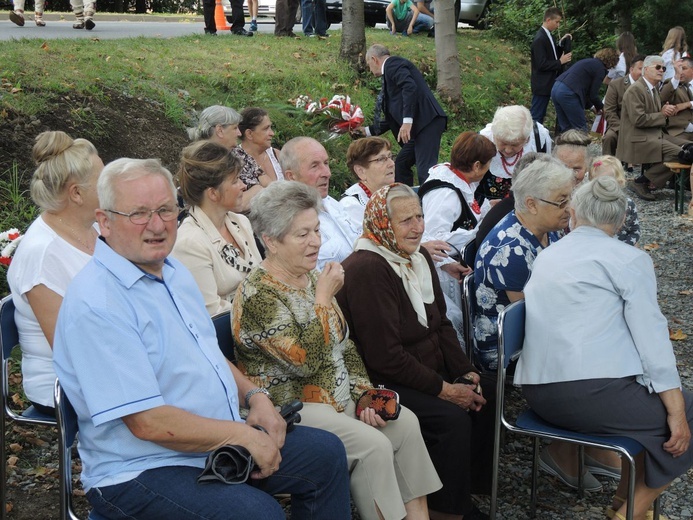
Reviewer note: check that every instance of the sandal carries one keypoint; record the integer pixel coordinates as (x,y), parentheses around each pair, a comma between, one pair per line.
(38,18)
(17,17)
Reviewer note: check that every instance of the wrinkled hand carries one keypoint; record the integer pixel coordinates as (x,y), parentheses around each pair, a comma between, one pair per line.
(456,270)
(410,29)
(404,134)
(668,110)
(369,416)
(678,68)
(263,413)
(566,57)
(680,439)
(330,281)
(265,453)
(462,395)
(438,249)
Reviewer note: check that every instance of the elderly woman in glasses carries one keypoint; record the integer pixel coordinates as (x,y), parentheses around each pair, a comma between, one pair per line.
(395,310)
(514,134)
(214,242)
(615,354)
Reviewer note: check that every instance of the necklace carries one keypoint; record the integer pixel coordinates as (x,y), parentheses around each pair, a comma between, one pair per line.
(505,163)
(475,204)
(365,189)
(90,249)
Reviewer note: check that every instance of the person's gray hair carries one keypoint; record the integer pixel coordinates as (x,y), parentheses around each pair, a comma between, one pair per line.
(126,169)
(539,180)
(273,210)
(600,202)
(529,158)
(377,50)
(398,191)
(651,60)
(573,141)
(209,118)
(289,158)
(512,124)
(59,159)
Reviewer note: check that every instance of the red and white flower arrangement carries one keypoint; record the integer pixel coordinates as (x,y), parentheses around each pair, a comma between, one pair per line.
(9,240)
(342,116)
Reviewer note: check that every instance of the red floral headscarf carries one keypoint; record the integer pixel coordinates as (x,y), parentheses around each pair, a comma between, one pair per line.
(376,221)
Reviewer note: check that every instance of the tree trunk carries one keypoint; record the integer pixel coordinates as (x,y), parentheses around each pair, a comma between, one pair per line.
(353,44)
(447,62)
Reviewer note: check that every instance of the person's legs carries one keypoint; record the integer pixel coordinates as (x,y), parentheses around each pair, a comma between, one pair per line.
(208,7)
(538,107)
(320,13)
(307,14)
(237,17)
(423,23)
(569,111)
(609,141)
(644,496)
(406,158)
(252,11)
(89,12)
(427,147)
(78,9)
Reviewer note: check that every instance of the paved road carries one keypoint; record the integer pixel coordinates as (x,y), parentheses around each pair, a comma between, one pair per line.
(110,26)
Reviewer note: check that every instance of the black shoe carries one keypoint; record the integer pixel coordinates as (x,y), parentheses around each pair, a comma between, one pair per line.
(686,153)
(89,24)
(432,32)
(475,514)
(641,190)
(241,32)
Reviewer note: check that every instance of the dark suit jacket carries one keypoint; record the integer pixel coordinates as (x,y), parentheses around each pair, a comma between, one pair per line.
(406,95)
(679,122)
(585,78)
(642,126)
(613,100)
(545,67)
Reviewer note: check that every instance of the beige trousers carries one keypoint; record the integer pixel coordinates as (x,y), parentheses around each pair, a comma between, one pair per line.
(38,7)
(389,466)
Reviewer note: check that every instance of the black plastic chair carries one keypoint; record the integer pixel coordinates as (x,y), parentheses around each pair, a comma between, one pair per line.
(9,339)
(511,335)
(469,311)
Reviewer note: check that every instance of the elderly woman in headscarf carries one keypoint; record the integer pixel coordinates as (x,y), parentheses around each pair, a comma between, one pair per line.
(615,354)
(514,134)
(394,306)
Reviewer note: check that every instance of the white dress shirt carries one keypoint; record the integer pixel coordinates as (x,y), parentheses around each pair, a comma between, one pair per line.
(354,204)
(338,234)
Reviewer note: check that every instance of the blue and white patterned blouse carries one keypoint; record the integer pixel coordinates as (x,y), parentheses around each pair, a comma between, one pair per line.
(503,263)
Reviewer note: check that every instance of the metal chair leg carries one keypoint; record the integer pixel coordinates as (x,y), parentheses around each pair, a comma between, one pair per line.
(581,471)
(535,469)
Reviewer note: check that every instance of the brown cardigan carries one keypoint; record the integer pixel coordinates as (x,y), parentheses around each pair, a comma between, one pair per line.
(396,348)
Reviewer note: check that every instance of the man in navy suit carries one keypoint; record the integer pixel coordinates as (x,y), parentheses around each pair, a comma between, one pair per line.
(547,62)
(411,112)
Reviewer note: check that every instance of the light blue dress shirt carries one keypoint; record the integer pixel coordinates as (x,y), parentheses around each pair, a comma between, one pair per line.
(127,342)
(592,313)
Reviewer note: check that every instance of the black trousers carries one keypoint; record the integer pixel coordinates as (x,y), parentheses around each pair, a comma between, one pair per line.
(422,151)
(237,18)
(460,445)
(208,7)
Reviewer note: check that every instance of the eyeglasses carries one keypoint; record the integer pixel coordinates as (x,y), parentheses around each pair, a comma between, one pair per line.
(143,216)
(560,205)
(660,67)
(382,159)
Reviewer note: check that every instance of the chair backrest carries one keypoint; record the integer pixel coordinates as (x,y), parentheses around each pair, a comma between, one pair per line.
(511,337)
(222,324)
(67,432)
(469,310)
(469,253)
(9,335)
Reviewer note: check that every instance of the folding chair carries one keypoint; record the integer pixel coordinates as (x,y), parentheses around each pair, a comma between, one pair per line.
(9,339)
(469,253)
(511,334)
(222,324)
(469,310)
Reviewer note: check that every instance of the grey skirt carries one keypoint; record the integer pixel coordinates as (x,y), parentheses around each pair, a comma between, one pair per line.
(615,407)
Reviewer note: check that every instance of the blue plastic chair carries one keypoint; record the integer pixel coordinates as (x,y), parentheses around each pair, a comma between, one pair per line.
(9,339)
(511,334)
(469,311)
(222,324)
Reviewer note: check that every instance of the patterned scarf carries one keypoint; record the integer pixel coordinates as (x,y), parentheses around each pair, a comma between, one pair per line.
(379,237)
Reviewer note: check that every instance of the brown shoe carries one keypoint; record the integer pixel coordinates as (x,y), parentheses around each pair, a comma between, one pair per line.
(641,190)
(17,18)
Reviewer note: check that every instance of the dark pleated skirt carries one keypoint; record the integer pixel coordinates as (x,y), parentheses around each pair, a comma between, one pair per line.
(615,407)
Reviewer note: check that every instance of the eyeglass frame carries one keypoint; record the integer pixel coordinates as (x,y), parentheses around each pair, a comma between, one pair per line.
(559,205)
(382,159)
(174,212)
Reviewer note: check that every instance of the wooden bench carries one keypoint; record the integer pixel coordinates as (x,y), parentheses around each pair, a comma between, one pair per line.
(681,171)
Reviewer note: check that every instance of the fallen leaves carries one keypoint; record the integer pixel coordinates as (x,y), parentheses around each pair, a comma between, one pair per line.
(677,335)
(651,247)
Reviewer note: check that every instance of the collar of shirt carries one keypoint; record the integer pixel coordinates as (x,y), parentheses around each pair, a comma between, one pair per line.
(631,79)
(650,87)
(123,269)
(382,67)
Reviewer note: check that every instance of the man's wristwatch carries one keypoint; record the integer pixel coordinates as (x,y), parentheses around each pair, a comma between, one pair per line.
(253,392)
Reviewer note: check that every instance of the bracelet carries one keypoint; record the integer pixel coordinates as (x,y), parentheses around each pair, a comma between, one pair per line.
(253,392)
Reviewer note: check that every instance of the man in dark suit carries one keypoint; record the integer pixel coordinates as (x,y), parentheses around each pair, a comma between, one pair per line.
(612,104)
(411,112)
(642,138)
(547,62)
(679,92)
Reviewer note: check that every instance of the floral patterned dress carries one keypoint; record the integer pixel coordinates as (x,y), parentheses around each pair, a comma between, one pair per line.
(503,263)
(293,347)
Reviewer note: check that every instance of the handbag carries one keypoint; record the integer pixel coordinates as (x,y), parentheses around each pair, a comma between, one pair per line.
(385,403)
(233,464)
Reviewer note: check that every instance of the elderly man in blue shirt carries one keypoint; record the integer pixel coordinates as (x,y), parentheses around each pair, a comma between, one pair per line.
(137,355)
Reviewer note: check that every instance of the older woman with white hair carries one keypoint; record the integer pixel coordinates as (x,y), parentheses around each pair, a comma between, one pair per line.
(514,134)
(55,248)
(293,340)
(219,124)
(615,353)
